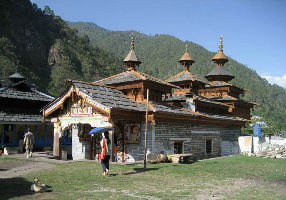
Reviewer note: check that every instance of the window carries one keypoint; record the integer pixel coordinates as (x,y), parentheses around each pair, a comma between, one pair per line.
(178,147)
(208,146)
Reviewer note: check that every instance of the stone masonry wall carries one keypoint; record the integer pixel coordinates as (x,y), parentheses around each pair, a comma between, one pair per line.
(162,135)
(224,139)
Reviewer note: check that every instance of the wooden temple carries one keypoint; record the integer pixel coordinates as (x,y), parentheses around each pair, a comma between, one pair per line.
(191,119)
(20,109)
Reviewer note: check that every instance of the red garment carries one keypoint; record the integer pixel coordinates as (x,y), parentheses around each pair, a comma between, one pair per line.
(102,154)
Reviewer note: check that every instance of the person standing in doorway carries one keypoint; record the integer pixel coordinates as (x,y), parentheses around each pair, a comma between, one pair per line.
(29,142)
(105,152)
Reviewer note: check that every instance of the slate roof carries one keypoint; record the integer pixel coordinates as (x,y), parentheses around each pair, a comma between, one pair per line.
(182,97)
(223,98)
(16,76)
(185,76)
(113,98)
(132,57)
(187,57)
(130,76)
(220,56)
(220,71)
(230,98)
(109,97)
(30,93)
(161,107)
(227,117)
(19,117)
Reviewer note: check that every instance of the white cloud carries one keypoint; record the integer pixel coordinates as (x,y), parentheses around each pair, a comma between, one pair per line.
(279,80)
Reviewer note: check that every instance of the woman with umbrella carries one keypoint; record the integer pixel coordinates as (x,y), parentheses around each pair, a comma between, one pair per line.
(105,152)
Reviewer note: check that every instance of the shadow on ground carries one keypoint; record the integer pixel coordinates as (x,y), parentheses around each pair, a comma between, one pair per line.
(139,170)
(14,187)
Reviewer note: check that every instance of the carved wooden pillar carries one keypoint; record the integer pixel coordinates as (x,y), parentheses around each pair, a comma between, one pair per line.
(57,147)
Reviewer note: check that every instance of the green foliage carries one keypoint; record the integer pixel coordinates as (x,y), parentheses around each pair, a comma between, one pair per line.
(160,54)
(8,59)
(48,50)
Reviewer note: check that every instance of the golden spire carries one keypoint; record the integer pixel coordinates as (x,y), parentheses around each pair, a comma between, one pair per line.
(186,47)
(220,43)
(132,41)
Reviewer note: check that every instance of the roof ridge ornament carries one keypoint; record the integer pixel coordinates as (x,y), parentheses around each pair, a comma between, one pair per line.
(186,60)
(132,41)
(131,60)
(220,44)
(220,59)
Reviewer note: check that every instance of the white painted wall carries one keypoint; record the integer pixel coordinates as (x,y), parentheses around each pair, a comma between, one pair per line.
(245,143)
(259,144)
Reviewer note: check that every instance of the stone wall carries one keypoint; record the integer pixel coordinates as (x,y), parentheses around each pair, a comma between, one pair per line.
(80,149)
(224,139)
(259,144)
(165,134)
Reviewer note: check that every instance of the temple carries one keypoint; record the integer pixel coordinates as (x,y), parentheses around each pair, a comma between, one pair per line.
(20,109)
(186,114)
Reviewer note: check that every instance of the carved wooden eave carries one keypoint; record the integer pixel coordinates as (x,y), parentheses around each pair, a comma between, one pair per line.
(70,92)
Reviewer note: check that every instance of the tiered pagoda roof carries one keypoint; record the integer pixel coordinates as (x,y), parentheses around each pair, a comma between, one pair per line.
(132,76)
(185,76)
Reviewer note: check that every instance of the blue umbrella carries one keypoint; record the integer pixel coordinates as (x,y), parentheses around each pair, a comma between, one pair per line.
(100,130)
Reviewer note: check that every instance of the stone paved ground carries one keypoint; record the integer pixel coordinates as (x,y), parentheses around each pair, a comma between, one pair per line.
(21,166)
(18,171)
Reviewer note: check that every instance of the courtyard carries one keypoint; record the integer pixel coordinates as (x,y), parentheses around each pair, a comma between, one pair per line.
(233,177)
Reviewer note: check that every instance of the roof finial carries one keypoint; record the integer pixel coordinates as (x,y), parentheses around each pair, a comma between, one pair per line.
(186,47)
(220,43)
(132,41)
(17,66)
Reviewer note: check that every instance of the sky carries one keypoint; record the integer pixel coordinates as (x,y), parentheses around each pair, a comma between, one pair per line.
(254,31)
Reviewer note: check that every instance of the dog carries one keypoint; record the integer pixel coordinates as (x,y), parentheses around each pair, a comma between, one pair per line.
(37,186)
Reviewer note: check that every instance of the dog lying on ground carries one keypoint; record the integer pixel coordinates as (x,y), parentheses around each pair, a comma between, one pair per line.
(38,187)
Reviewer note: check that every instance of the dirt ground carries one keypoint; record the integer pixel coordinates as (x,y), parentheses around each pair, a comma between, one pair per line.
(4,166)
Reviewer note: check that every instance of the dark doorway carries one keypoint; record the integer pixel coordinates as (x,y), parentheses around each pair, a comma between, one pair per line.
(178,147)
(208,146)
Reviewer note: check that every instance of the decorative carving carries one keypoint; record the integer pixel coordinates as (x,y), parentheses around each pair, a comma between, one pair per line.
(83,131)
(132,132)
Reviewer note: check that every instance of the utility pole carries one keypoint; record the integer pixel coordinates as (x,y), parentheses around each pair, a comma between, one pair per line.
(146,128)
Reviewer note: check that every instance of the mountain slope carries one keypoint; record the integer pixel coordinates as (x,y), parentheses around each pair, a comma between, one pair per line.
(47,50)
(159,55)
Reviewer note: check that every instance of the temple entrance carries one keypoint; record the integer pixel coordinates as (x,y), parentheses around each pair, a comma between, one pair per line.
(95,146)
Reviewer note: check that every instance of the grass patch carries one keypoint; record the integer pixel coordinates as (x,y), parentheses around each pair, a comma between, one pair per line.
(236,177)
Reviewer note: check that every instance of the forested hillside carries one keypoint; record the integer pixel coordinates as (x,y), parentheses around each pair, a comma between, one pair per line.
(159,55)
(46,49)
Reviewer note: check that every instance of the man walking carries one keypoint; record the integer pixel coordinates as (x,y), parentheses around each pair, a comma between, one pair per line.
(29,142)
